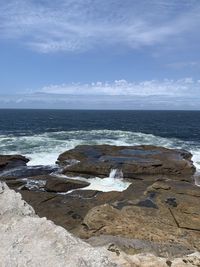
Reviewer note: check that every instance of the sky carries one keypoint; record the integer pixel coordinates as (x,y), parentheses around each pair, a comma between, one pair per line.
(113,54)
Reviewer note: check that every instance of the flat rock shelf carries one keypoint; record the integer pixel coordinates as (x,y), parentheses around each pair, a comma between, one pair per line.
(136,162)
(157,213)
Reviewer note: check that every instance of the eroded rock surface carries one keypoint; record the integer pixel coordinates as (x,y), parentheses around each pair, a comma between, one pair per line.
(167,212)
(67,210)
(27,240)
(135,161)
(159,211)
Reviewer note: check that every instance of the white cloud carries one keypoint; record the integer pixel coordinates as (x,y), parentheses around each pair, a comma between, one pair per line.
(184,64)
(167,94)
(174,88)
(76,25)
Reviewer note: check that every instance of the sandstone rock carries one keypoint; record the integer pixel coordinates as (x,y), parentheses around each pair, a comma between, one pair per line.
(183,202)
(135,161)
(27,240)
(67,210)
(63,185)
(132,246)
(189,260)
(150,260)
(161,185)
(164,213)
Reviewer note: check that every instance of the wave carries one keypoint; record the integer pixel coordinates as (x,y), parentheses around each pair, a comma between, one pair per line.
(43,149)
(114,182)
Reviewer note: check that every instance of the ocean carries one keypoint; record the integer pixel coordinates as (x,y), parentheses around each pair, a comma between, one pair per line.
(42,135)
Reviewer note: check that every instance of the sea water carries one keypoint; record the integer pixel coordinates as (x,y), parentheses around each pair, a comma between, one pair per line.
(41,135)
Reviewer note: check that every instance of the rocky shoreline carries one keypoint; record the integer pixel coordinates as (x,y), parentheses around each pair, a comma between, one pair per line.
(158,213)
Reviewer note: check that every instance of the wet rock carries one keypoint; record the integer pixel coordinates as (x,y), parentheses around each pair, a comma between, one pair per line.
(171,201)
(12,161)
(84,194)
(134,161)
(27,171)
(148,203)
(64,185)
(15,184)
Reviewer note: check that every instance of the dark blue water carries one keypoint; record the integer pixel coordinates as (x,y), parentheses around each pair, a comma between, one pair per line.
(42,135)
(184,125)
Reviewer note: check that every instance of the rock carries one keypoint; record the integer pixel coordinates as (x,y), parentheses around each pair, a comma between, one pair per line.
(12,161)
(63,185)
(150,260)
(48,183)
(142,260)
(183,203)
(27,240)
(161,185)
(67,210)
(179,187)
(27,172)
(16,184)
(197,179)
(164,211)
(132,246)
(189,260)
(168,213)
(136,162)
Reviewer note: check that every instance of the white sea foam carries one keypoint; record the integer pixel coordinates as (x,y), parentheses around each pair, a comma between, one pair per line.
(43,149)
(116,173)
(107,184)
(197,180)
(114,182)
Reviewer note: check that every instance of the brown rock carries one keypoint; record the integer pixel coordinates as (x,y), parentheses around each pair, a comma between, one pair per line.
(27,172)
(15,184)
(64,185)
(166,213)
(161,185)
(67,210)
(12,161)
(132,246)
(136,162)
(183,203)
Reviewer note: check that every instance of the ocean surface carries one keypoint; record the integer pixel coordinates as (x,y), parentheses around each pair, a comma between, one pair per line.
(42,135)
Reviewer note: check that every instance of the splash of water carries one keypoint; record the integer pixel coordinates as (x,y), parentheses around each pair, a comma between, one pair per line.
(43,149)
(116,173)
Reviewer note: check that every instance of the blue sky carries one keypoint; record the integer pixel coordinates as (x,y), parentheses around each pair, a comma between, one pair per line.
(93,48)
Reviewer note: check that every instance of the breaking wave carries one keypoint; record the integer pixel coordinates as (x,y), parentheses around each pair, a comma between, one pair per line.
(43,149)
